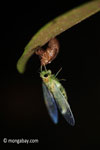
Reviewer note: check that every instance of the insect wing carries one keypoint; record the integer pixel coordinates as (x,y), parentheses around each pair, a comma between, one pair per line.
(63,105)
(50,103)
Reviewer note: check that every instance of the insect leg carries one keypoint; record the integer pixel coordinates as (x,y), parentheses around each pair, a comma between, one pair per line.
(41,68)
(45,68)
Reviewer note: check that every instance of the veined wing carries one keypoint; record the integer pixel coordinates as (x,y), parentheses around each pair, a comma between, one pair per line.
(50,103)
(63,105)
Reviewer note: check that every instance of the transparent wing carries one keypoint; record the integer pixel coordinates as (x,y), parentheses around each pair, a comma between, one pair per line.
(50,103)
(63,105)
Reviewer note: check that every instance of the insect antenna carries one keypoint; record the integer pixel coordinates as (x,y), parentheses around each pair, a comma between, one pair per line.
(58,72)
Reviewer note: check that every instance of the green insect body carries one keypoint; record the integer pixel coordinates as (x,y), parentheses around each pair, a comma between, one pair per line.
(58,92)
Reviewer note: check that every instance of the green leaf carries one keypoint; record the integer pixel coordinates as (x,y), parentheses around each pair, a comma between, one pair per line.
(56,27)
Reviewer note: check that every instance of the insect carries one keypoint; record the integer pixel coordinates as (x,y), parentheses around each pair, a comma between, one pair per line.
(55,95)
(48,55)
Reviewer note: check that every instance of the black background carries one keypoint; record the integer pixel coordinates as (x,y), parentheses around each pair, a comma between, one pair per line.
(22,110)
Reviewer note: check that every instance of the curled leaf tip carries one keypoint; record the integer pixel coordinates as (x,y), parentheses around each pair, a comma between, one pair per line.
(56,27)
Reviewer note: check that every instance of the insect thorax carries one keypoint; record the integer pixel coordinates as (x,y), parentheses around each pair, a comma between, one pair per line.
(54,81)
(51,80)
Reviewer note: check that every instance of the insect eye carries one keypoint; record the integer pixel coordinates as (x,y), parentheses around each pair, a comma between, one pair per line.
(46,75)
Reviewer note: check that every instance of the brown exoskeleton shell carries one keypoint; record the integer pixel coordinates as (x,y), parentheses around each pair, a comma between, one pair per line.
(48,55)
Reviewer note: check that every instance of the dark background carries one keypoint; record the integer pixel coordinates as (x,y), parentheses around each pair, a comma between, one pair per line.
(22,110)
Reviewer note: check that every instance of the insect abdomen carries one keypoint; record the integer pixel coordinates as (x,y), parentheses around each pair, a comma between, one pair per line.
(61,89)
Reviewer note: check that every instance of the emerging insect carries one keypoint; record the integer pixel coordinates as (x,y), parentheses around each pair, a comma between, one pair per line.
(54,93)
(48,55)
